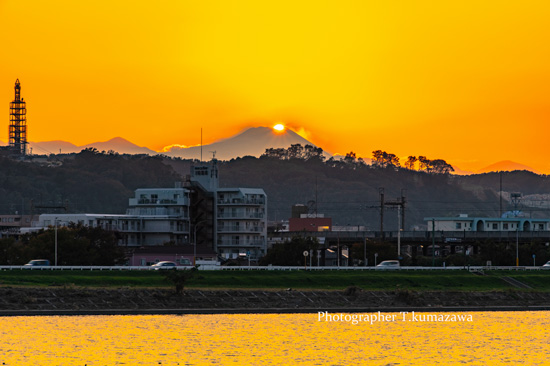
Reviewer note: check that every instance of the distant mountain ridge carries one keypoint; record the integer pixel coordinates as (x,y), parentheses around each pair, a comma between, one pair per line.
(252,142)
(506,166)
(117,144)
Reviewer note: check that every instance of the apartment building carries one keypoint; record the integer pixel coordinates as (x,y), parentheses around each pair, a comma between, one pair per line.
(230,221)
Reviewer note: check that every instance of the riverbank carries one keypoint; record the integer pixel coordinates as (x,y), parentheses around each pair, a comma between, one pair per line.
(80,301)
(450,280)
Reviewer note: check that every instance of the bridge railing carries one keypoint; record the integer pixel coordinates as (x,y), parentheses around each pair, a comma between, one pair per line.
(272,268)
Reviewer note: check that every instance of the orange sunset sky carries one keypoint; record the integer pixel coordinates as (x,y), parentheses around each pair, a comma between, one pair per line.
(464,81)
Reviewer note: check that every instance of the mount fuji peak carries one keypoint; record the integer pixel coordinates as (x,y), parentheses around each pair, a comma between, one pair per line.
(251,142)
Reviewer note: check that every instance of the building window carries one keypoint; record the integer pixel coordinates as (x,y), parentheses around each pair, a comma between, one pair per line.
(458,225)
(495,226)
(505,226)
(541,226)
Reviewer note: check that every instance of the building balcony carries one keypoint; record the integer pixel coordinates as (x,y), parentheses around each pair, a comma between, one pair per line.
(240,243)
(158,202)
(241,201)
(239,229)
(240,215)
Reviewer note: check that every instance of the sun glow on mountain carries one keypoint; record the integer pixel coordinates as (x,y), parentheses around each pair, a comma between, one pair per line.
(279,127)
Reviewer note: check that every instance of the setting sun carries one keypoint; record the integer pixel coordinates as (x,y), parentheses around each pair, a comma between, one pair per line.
(356,75)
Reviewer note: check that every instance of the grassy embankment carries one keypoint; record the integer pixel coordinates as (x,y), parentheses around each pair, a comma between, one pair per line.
(322,280)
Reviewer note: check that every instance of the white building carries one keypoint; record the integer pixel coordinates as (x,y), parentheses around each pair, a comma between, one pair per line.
(241,220)
(155,216)
(465,223)
(232,221)
(239,215)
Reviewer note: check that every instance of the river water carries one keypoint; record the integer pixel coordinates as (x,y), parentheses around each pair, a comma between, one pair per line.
(476,338)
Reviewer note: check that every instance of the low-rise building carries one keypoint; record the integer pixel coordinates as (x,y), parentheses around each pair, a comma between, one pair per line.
(10,224)
(465,223)
(155,216)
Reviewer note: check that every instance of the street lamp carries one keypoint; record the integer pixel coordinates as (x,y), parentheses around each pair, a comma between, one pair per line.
(517,247)
(365,250)
(195,241)
(55,241)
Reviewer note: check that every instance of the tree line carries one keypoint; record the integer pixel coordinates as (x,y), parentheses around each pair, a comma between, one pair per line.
(380,159)
(77,245)
(383,159)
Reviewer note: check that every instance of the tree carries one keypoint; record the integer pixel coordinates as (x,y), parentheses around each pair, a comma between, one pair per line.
(312,152)
(295,151)
(410,163)
(378,158)
(383,159)
(290,253)
(277,153)
(440,166)
(350,158)
(180,277)
(76,245)
(437,166)
(424,163)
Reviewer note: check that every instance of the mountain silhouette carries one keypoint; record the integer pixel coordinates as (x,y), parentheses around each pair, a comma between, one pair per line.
(117,144)
(120,145)
(507,166)
(251,142)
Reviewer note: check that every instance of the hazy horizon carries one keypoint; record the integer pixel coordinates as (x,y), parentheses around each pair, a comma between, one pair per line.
(464,82)
(188,152)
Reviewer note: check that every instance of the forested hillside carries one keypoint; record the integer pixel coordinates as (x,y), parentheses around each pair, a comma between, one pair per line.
(350,192)
(347,190)
(90,182)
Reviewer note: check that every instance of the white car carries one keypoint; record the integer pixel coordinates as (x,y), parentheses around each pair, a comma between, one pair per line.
(164,265)
(38,263)
(388,265)
(546,265)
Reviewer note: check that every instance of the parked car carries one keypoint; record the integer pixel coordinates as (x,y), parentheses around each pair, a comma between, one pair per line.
(546,265)
(388,265)
(164,265)
(38,263)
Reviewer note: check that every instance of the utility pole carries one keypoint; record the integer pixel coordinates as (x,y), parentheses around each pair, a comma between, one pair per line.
(398,232)
(500,194)
(517,247)
(433,242)
(381,191)
(365,250)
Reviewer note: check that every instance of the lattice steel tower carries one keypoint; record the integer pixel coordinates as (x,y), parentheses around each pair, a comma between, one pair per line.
(18,122)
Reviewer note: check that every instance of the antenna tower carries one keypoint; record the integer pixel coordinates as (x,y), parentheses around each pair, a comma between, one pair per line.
(18,122)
